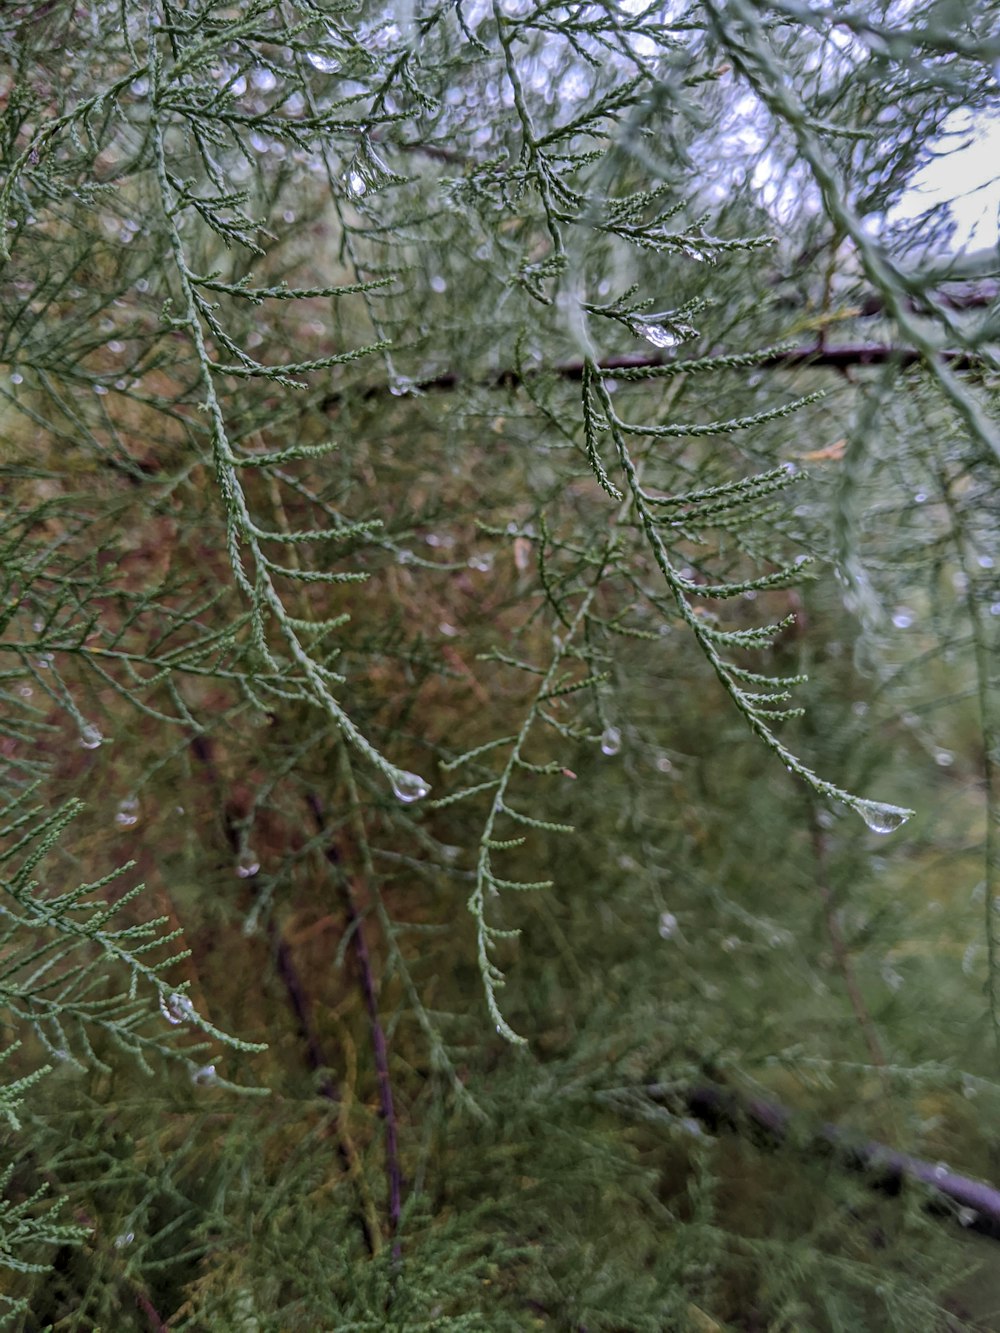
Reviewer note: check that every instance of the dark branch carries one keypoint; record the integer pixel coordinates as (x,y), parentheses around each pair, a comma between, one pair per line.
(380,1049)
(839,357)
(977,1205)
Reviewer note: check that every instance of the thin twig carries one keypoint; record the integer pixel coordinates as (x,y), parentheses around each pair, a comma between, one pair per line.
(298,1000)
(380,1048)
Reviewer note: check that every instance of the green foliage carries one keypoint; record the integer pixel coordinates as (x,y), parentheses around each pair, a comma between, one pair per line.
(492,495)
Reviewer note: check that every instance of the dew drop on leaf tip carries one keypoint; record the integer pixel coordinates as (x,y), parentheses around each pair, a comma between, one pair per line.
(409,787)
(128,812)
(247,864)
(882,818)
(175,1008)
(658,335)
(611,741)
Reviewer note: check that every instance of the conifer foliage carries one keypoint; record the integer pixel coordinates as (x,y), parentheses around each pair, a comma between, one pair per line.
(499,507)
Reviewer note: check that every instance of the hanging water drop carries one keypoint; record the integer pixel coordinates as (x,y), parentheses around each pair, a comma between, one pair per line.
(90,736)
(326,64)
(881,818)
(611,740)
(128,812)
(247,864)
(409,787)
(483,563)
(176,1008)
(205,1076)
(126,1238)
(658,334)
(668,925)
(356,186)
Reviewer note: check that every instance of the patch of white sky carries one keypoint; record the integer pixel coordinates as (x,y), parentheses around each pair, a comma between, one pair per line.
(961,174)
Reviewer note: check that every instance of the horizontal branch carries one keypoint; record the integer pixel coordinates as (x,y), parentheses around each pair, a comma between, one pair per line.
(836,357)
(977,1204)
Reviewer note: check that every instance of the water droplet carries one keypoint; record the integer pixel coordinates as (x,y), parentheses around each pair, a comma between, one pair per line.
(25,691)
(891,977)
(611,740)
(356,186)
(128,812)
(658,334)
(902,617)
(176,1008)
(449,631)
(90,736)
(17,378)
(881,818)
(920,497)
(409,787)
(995,608)
(205,1076)
(667,926)
(247,864)
(941,1170)
(731,943)
(663,764)
(483,563)
(401,386)
(126,1238)
(405,556)
(44,661)
(326,64)
(967,1216)
(985,562)
(450,853)
(438,284)
(944,758)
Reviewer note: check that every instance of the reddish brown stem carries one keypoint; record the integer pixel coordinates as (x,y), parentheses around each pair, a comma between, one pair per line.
(380,1047)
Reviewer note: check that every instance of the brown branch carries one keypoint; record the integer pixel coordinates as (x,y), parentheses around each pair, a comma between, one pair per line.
(838,944)
(298,1001)
(977,1203)
(356,926)
(840,357)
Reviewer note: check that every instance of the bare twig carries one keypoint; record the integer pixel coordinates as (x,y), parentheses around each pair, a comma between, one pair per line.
(356,927)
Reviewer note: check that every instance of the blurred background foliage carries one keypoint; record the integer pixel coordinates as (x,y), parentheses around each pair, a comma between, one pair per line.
(496,499)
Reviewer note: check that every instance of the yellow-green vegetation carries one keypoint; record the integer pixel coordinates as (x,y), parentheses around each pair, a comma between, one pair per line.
(498,529)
